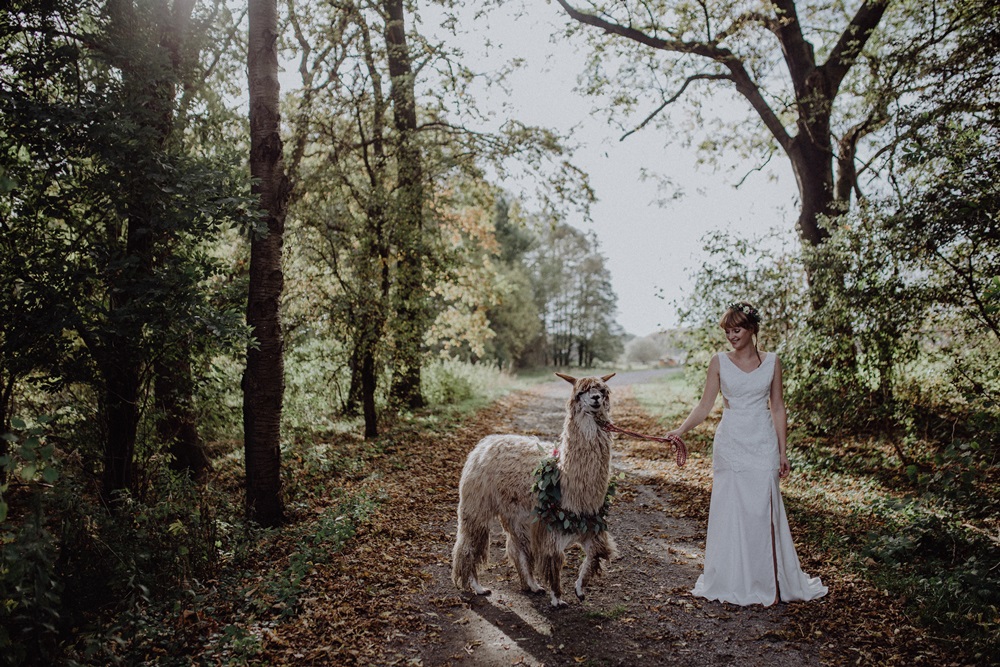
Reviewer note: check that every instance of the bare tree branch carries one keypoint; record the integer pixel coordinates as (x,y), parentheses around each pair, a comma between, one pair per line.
(757,168)
(673,98)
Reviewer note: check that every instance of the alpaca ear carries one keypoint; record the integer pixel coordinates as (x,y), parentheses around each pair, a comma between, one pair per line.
(605,378)
(568,378)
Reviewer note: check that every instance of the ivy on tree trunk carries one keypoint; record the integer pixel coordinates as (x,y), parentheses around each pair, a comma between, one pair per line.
(411,317)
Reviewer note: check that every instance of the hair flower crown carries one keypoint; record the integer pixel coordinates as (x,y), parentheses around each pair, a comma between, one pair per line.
(746,309)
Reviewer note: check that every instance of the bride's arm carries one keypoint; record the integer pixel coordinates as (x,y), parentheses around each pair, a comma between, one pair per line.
(707,402)
(780,417)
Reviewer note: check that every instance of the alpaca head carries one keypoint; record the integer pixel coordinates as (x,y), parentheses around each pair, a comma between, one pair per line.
(591,396)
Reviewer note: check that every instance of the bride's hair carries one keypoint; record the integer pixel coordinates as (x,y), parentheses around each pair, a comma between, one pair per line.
(742,314)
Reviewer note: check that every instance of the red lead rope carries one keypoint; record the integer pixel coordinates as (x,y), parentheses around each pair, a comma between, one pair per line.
(673,440)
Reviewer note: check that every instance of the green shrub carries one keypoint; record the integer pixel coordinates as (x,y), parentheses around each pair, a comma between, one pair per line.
(316,381)
(453,382)
(30,590)
(947,568)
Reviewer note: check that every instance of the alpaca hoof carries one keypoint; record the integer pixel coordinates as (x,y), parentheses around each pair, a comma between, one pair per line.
(558,603)
(581,595)
(477,589)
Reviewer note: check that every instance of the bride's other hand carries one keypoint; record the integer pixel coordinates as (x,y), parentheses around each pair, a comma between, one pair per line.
(785,467)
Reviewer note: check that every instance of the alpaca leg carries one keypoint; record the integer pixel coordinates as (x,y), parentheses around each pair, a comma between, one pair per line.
(519,555)
(470,552)
(598,548)
(552,564)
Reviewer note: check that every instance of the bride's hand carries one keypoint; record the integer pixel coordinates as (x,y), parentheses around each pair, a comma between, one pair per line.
(784,468)
(682,452)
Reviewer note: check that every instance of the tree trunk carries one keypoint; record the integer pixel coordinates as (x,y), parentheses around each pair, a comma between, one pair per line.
(263,380)
(373,325)
(6,395)
(121,416)
(369,385)
(122,362)
(813,168)
(410,302)
(177,423)
(355,390)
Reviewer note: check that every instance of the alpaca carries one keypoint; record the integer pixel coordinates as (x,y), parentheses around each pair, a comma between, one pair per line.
(497,482)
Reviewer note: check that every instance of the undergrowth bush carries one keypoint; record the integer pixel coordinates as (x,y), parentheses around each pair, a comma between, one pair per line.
(30,589)
(315,386)
(947,568)
(453,382)
(219,398)
(318,541)
(71,567)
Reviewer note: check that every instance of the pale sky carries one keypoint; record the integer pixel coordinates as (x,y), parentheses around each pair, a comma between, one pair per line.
(651,249)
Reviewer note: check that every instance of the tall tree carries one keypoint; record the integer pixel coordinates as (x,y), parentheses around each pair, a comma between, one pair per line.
(343,198)
(409,304)
(385,170)
(264,378)
(108,210)
(147,45)
(742,46)
(573,292)
(515,320)
(173,57)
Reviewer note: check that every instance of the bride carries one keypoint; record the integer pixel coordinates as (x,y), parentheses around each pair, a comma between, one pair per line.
(749,554)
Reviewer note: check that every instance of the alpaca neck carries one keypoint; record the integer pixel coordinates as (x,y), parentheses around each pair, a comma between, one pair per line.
(585,462)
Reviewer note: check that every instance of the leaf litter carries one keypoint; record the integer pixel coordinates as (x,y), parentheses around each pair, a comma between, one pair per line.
(386,597)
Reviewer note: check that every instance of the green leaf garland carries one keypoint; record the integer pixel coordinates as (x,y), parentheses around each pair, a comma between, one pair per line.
(549,510)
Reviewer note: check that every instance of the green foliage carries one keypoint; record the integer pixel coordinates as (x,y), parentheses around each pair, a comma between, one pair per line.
(868,357)
(110,214)
(315,385)
(766,271)
(848,362)
(30,588)
(219,398)
(236,646)
(450,382)
(947,568)
(515,319)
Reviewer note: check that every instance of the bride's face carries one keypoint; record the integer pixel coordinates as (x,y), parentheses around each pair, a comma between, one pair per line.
(739,337)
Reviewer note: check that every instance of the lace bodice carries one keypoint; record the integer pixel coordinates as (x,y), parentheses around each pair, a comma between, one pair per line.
(742,390)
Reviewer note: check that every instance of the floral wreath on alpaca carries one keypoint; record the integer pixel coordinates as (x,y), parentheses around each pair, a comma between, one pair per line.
(752,314)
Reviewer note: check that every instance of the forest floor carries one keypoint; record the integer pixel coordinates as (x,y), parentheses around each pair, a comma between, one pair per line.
(387,597)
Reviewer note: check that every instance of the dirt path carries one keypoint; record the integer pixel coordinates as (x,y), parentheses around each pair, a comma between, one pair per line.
(387,597)
(639,613)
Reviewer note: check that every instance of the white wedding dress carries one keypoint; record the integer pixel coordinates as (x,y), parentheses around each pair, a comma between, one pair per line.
(746,501)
